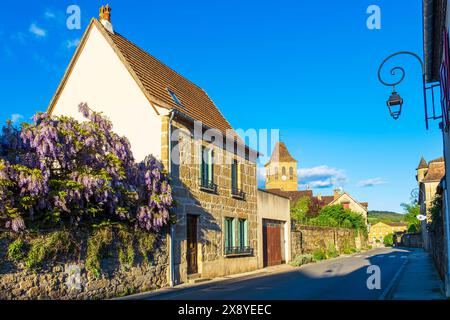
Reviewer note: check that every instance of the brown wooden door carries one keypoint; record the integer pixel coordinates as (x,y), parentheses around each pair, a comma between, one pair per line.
(192,248)
(272,243)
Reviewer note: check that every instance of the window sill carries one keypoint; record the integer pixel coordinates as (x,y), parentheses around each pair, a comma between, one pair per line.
(238,255)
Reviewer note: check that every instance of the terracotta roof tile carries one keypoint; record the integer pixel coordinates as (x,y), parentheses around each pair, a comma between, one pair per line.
(292,195)
(157,79)
(422,164)
(281,154)
(436,171)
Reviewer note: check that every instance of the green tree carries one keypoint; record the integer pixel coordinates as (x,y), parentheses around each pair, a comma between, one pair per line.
(411,213)
(300,209)
(388,240)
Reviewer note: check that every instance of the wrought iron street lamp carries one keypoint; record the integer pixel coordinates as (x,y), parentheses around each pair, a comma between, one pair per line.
(395,102)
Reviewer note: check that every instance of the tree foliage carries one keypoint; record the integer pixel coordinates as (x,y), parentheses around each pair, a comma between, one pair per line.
(60,170)
(338,216)
(410,217)
(300,209)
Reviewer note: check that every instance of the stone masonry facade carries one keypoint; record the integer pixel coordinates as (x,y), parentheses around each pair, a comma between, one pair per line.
(307,239)
(210,208)
(69,280)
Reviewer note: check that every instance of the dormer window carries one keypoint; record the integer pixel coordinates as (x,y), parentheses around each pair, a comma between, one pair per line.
(174,97)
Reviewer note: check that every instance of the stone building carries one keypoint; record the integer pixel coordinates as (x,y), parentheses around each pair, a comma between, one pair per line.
(281,170)
(381,229)
(429,176)
(282,180)
(164,114)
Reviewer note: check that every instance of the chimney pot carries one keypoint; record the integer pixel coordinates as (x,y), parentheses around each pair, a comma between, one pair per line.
(105,13)
(105,18)
(336,193)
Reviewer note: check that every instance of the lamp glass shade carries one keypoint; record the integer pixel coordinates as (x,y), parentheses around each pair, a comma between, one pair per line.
(395,104)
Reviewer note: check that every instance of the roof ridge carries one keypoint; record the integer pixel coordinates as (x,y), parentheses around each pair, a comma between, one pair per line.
(160,61)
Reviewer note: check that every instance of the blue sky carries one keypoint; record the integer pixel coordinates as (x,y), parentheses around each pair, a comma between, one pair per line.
(306,68)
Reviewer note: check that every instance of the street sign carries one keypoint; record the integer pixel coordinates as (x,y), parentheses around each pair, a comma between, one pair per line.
(421,217)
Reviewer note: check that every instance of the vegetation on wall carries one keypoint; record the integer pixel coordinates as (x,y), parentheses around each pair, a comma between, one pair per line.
(436,210)
(58,171)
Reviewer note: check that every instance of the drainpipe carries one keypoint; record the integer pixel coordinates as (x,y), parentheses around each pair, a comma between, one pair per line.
(172,227)
(446,223)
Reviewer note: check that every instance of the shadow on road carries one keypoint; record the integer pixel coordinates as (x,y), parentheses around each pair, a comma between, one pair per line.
(342,278)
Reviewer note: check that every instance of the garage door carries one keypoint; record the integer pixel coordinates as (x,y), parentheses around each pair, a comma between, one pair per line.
(272,242)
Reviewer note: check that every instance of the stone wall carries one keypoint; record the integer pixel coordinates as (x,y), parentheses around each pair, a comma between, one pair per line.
(412,240)
(307,239)
(210,208)
(69,280)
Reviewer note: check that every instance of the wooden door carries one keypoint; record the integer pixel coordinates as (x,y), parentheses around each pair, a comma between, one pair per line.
(272,243)
(192,247)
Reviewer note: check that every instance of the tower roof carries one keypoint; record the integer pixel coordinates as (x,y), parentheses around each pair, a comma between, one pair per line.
(281,154)
(422,164)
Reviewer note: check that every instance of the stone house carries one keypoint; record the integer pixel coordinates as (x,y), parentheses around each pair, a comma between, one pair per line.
(282,180)
(166,115)
(381,229)
(429,176)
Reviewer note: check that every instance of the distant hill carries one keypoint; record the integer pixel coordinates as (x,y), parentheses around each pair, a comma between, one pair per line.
(377,216)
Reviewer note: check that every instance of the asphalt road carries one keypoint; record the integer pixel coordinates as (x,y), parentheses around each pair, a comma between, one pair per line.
(340,278)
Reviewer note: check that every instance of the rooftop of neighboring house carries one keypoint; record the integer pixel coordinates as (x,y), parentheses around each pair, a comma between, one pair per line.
(294,196)
(162,85)
(392,223)
(281,154)
(435,170)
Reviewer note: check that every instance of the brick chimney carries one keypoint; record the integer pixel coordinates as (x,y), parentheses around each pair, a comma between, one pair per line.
(336,193)
(105,18)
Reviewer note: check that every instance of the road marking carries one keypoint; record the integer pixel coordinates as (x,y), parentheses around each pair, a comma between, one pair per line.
(393,282)
(358,256)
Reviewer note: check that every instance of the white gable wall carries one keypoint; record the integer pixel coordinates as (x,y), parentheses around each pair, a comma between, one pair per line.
(345,198)
(100,79)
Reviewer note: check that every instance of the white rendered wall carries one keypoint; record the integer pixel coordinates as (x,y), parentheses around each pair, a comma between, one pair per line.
(100,79)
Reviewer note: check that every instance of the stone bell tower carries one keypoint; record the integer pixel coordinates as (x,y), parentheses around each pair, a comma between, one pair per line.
(281,170)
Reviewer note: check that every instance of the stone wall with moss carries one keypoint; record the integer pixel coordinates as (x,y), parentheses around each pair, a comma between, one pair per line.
(307,239)
(108,262)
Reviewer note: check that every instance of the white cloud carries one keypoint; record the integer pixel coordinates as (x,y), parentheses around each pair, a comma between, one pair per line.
(321,177)
(72,43)
(16,117)
(261,176)
(371,182)
(49,14)
(37,31)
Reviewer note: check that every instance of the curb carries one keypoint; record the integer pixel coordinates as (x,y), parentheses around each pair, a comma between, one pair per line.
(387,294)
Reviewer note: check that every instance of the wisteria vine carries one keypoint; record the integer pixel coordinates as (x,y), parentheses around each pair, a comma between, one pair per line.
(60,169)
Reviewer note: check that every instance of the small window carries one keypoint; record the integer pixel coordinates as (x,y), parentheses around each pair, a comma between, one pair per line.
(291,173)
(236,179)
(207,169)
(243,234)
(229,234)
(283,171)
(174,97)
(276,173)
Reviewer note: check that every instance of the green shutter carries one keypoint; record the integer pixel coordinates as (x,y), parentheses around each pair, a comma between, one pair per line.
(233,228)
(246,233)
(226,239)
(210,165)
